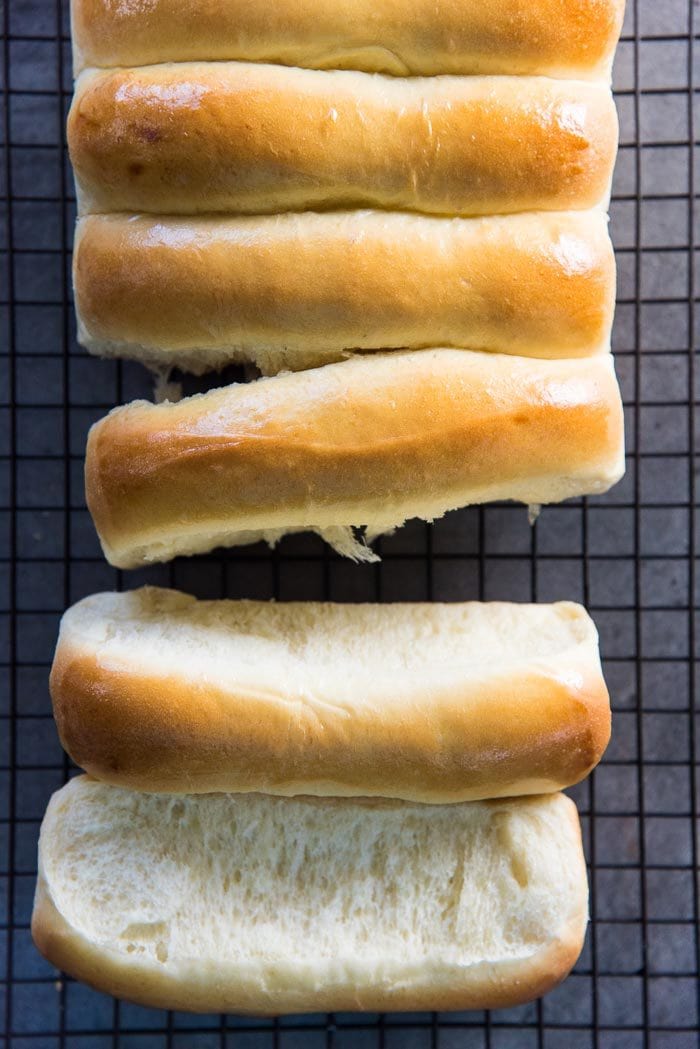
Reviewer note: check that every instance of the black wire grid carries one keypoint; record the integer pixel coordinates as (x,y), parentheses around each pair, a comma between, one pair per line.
(629,556)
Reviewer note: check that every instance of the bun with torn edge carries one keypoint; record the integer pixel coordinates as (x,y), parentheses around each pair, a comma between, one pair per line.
(371,441)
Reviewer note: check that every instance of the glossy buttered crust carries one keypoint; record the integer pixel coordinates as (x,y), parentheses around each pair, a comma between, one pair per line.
(298,290)
(554,37)
(240,137)
(473,732)
(373,440)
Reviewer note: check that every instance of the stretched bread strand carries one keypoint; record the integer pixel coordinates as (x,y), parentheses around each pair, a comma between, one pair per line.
(568,38)
(294,291)
(435,703)
(254,904)
(240,137)
(370,441)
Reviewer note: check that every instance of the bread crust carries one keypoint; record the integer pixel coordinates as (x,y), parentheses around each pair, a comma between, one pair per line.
(288,987)
(532,728)
(296,291)
(571,38)
(247,138)
(368,441)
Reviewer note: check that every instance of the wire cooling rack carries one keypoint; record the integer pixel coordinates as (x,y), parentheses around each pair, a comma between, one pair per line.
(629,556)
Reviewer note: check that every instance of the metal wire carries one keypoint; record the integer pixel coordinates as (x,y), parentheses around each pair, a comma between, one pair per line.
(630,556)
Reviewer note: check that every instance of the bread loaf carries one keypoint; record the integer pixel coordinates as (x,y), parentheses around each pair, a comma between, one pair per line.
(556,37)
(241,137)
(294,291)
(254,904)
(370,441)
(427,702)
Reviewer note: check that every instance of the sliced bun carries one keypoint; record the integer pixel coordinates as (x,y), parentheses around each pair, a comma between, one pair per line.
(427,702)
(371,441)
(575,38)
(295,291)
(240,137)
(253,904)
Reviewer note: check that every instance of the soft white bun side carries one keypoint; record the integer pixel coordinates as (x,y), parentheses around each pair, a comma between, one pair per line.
(253,904)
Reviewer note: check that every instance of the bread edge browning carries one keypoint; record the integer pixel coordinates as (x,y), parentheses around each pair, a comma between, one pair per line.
(127,543)
(195,740)
(102,143)
(103,276)
(98,44)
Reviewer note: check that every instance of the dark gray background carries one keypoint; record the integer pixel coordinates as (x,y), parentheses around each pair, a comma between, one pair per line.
(628,555)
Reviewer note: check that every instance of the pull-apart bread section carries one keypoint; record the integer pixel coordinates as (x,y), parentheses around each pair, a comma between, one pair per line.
(256,904)
(369,441)
(568,38)
(294,291)
(241,137)
(428,702)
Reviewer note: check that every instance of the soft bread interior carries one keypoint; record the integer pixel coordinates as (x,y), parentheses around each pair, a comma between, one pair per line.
(322,652)
(303,894)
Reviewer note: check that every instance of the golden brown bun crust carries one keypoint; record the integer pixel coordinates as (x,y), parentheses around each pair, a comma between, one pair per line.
(240,137)
(556,37)
(299,290)
(371,439)
(502,737)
